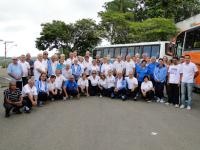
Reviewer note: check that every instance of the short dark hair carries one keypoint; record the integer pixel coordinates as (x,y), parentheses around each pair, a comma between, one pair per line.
(160,59)
(144,61)
(146,77)
(175,58)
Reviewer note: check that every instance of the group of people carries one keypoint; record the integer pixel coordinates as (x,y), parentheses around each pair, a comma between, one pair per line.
(57,78)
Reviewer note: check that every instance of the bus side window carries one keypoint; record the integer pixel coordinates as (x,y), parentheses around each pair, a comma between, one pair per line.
(155,51)
(117,52)
(138,50)
(123,52)
(169,49)
(105,52)
(131,51)
(111,52)
(98,53)
(147,50)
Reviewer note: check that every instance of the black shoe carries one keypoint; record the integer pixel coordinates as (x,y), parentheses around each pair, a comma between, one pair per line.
(17,111)
(7,115)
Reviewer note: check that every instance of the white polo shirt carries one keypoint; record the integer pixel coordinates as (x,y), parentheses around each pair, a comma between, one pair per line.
(94,82)
(25,67)
(146,86)
(110,81)
(83,83)
(28,90)
(38,65)
(188,71)
(105,68)
(119,66)
(131,82)
(51,85)
(174,74)
(59,81)
(129,66)
(103,83)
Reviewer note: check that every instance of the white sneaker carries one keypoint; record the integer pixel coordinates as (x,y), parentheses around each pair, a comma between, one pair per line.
(182,106)
(176,106)
(100,96)
(64,98)
(158,100)
(162,101)
(189,108)
(167,103)
(149,101)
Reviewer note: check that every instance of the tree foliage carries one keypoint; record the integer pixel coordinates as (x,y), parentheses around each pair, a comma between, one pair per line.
(80,36)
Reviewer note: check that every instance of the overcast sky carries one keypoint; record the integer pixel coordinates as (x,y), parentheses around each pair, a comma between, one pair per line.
(20,20)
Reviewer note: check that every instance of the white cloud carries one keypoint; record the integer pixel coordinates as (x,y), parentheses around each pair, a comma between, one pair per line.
(20,19)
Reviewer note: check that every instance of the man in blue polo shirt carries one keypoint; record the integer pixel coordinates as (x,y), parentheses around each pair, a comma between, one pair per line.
(151,68)
(70,88)
(15,72)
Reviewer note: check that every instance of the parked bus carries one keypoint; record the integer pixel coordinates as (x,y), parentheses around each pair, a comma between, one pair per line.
(188,43)
(157,49)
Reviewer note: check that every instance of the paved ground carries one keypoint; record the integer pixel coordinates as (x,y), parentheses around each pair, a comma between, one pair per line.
(102,124)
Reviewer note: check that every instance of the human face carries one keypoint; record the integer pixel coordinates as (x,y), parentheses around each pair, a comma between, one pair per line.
(175,61)
(75,54)
(58,72)
(40,57)
(120,75)
(187,59)
(146,79)
(161,62)
(71,79)
(28,56)
(130,74)
(15,60)
(128,58)
(13,86)
(94,73)
(45,55)
(43,77)
(153,60)
(22,58)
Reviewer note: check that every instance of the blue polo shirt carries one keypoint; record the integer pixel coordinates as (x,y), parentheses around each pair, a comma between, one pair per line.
(70,85)
(15,69)
(141,72)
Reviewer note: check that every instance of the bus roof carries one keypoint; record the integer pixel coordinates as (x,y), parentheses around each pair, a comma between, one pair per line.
(133,44)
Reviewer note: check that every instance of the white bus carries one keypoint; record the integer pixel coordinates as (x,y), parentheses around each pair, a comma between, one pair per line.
(158,49)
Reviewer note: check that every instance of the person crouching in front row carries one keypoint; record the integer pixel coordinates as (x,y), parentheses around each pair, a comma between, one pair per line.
(93,83)
(83,85)
(147,89)
(132,86)
(12,99)
(120,86)
(29,93)
(70,88)
(52,88)
(103,86)
(42,89)
(110,79)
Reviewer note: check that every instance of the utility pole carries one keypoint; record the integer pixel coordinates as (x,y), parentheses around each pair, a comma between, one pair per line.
(5,43)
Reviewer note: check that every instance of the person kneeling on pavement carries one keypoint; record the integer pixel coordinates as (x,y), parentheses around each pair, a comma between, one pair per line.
(147,89)
(53,92)
(70,88)
(12,99)
(132,85)
(120,86)
(29,93)
(83,85)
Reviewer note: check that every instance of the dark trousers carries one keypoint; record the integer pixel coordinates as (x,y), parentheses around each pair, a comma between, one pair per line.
(58,96)
(72,92)
(173,95)
(159,89)
(9,107)
(149,95)
(42,96)
(131,94)
(120,93)
(103,91)
(27,102)
(93,90)
(19,85)
(110,91)
(24,80)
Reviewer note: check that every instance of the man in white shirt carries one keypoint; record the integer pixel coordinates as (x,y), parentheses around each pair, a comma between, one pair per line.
(25,69)
(29,93)
(106,66)
(88,54)
(132,84)
(174,79)
(83,85)
(118,65)
(129,65)
(70,59)
(39,67)
(110,79)
(45,60)
(190,72)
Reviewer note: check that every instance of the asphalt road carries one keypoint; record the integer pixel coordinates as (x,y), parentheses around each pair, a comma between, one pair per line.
(102,124)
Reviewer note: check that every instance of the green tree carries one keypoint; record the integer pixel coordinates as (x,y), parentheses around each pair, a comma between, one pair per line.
(79,36)
(55,35)
(86,35)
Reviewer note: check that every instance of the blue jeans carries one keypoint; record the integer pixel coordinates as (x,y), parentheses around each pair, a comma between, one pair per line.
(189,88)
